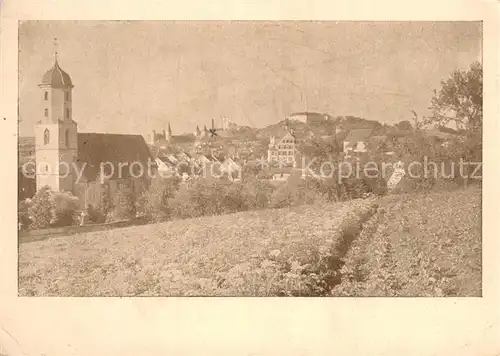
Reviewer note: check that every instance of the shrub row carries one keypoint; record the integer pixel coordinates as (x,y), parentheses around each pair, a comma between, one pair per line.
(50,208)
(168,199)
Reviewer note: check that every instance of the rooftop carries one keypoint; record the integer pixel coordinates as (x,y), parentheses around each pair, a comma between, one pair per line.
(358,135)
(56,77)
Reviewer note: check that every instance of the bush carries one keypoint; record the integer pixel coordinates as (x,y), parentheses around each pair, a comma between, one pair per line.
(155,200)
(124,205)
(42,212)
(208,196)
(236,198)
(49,208)
(296,191)
(328,188)
(66,208)
(104,208)
(257,193)
(95,214)
(218,196)
(23,218)
(282,197)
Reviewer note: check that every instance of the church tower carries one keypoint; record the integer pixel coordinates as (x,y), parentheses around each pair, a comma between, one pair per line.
(55,131)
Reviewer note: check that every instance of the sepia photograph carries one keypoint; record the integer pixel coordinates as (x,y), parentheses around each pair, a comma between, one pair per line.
(250,158)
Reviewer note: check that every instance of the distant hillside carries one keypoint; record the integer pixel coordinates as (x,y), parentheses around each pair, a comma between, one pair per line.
(348,123)
(246,133)
(325,128)
(299,128)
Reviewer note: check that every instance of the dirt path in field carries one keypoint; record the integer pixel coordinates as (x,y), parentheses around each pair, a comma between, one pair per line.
(417,245)
(332,275)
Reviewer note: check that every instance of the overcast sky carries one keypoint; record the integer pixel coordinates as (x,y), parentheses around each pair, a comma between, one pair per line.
(133,77)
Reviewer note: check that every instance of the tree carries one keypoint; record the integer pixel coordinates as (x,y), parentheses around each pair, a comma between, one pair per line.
(295,192)
(124,205)
(460,99)
(66,207)
(42,212)
(155,200)
(104,203)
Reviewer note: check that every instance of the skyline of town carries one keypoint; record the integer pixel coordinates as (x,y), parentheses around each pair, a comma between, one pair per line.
(368,79)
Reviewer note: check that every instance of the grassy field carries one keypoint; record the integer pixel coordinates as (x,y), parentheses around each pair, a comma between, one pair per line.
(400,245)
(261,253)
(418,245)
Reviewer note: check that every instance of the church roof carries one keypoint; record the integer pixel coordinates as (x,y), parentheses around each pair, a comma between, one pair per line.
(56,77)
(97,148)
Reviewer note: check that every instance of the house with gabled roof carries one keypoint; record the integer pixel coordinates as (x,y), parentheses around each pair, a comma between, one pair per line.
(232,169)
(282,147)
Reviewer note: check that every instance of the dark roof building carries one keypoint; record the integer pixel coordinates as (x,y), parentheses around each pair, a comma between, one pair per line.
(112,150)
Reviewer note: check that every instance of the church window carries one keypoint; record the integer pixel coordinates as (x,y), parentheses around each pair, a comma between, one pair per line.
(66,138)
(67,113)
(46,137)
(46,113)
(67,95)
(46,96)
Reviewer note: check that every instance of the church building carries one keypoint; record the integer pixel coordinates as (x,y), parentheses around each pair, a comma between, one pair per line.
(85,164)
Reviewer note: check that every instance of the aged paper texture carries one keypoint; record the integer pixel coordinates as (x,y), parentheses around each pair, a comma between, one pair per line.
(256,242)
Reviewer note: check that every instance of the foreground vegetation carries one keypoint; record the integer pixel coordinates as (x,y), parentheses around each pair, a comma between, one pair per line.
(418,245)
(290,251)
(397,245)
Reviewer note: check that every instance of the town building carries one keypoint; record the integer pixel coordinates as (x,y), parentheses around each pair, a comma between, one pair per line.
(154,136)
(165,138)
(282,148)
(309,117)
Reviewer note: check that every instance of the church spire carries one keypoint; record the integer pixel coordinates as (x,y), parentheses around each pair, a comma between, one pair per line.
(54,42)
